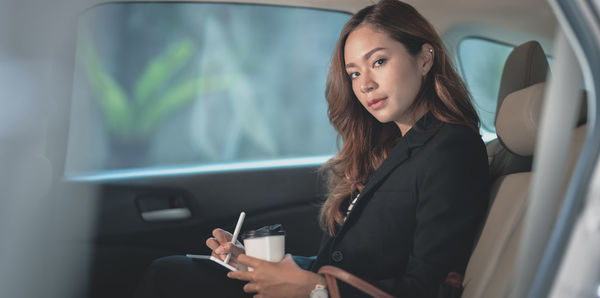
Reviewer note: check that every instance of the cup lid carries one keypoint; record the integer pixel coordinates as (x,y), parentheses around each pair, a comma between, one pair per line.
(271,230)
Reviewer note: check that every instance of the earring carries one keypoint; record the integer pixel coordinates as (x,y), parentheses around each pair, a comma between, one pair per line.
(430,50)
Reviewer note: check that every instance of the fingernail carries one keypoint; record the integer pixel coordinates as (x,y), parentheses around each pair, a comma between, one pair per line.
(229,274)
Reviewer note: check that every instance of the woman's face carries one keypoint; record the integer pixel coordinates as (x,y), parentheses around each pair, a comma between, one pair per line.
(385,76)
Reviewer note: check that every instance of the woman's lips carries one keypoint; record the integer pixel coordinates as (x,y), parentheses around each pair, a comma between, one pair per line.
(376,103)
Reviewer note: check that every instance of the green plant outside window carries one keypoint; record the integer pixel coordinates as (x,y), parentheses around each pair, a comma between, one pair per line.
(174,84)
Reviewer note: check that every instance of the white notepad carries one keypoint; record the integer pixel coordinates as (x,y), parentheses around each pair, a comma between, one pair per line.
(211,258)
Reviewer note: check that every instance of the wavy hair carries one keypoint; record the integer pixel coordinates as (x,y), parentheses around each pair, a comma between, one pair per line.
(365,141)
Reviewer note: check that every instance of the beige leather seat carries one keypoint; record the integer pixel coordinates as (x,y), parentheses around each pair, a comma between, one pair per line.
(525,66)
(490,270)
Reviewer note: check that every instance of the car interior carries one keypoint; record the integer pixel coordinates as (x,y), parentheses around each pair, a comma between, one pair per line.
(127,240)
(221,126)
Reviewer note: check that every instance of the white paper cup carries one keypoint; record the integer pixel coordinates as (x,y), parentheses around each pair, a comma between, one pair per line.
(268,248)
(266,243)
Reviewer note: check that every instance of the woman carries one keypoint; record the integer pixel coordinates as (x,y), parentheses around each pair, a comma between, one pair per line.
(409,187)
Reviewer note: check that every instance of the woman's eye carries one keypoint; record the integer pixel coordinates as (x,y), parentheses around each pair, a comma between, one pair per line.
(379,62)
(353,75)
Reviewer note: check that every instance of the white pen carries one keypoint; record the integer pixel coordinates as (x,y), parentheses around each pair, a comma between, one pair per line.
(236,232)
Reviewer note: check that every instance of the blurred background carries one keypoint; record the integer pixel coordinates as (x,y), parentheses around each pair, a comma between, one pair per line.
(44,248)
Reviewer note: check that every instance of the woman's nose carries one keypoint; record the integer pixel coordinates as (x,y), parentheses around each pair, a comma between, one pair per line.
(367,86)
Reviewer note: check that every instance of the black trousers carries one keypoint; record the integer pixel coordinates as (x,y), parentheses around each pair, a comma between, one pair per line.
(182,277)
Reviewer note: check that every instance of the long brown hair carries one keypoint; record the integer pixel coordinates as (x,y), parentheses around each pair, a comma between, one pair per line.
(367,142)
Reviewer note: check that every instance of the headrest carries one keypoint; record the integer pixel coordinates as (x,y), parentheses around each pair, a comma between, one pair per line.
(518,119)
(525,66)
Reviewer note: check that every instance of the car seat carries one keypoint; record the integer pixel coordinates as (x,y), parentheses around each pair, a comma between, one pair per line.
(526,65)
(493,262)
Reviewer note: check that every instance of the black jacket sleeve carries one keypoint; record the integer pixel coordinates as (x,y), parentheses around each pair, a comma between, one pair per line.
(452,197)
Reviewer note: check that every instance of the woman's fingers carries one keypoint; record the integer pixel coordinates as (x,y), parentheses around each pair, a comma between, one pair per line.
(212,243)
(249,261)
(241,275)
(234,249)
(223,248)
(217,244)
(221,235)
(251,288)
(273,279)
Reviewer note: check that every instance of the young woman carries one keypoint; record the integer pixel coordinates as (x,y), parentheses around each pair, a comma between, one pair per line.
(409,187)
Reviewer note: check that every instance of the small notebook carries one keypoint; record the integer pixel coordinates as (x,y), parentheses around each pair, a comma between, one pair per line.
(211,258)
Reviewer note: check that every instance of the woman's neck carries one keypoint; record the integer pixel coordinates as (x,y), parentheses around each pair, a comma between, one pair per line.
(408,121)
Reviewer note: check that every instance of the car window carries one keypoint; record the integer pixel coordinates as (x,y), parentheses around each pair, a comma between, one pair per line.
(481,62)
(176,84)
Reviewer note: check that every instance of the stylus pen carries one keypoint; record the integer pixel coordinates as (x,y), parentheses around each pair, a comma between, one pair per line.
(236,232)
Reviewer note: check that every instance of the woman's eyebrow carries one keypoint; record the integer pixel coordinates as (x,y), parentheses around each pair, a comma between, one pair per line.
(366,56)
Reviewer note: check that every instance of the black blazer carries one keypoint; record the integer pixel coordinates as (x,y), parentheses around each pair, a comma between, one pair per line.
(416,219)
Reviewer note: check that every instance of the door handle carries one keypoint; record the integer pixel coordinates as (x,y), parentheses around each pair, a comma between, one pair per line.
(171,214)
(163,207)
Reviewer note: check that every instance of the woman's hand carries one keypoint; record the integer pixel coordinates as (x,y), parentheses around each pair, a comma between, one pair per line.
(269,279)
(221,245)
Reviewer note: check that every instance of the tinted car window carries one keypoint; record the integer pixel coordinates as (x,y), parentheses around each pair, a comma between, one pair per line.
(176,84)
(481,63)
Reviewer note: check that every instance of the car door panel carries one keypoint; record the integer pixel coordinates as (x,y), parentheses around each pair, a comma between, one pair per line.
(126,244)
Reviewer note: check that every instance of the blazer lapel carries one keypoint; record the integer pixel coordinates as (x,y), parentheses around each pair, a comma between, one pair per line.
(425,128)
(399,154)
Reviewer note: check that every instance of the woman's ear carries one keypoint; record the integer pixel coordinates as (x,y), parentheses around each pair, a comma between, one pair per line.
(426,58)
